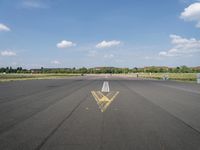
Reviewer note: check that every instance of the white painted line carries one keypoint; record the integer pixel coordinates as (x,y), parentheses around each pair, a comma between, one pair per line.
(105,87)
(198,78)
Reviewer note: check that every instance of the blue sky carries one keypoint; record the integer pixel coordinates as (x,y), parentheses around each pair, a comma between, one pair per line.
(77,33)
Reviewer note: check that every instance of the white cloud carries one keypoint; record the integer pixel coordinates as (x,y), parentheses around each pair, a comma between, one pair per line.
(4,27)
(8,53)
(65,44)
(192,13)
(186,1)
(182,46)
(33,4)
(107,44)
(163,53)
(55,62)
(109,56)
(147,57)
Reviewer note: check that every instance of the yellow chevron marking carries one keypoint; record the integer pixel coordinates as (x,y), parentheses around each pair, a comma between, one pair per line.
(102,100)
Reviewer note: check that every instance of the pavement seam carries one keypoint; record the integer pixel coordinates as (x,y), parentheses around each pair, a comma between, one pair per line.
(59,99)
(102,131)
(24,101)
(185,123)
(60,124)
(35,93)
(178,88)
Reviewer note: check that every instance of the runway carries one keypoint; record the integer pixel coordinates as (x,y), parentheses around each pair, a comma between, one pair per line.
(63,114)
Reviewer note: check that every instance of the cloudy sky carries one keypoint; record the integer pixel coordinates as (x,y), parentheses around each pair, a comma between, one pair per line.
(120,33)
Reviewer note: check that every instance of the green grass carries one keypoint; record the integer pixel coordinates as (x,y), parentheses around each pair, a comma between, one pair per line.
(172,76)
(12,77)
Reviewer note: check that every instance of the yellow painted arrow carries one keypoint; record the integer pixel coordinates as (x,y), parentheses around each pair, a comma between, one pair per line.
(104,100)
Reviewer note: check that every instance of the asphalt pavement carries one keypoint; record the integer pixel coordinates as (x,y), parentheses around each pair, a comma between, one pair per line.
(99,113)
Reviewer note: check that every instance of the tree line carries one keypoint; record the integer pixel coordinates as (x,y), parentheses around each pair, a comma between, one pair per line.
(99,70)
